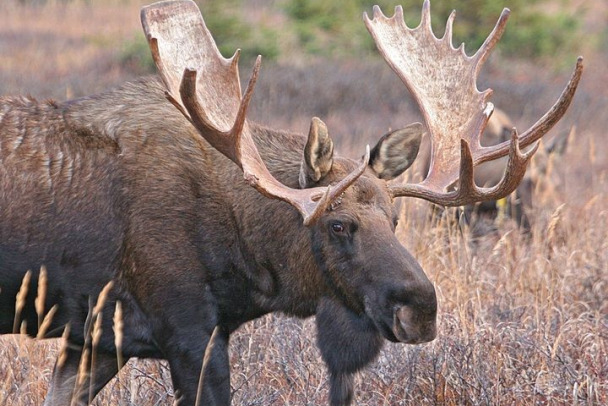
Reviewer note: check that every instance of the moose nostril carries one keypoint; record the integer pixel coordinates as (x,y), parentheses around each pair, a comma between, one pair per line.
(413,326)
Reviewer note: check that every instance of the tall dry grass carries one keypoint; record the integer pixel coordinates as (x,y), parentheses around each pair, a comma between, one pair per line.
(523,320)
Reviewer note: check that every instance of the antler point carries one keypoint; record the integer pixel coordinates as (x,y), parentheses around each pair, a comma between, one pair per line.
(398,11)
(489,109)
(251,179)
(377,12)
(426,15)
(234,60)
(515,142)
(532,150)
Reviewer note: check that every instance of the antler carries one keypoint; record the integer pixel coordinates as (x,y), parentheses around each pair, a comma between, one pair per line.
(209,92)
(442,79)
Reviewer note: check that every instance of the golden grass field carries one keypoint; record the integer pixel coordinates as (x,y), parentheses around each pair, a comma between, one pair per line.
(523,320)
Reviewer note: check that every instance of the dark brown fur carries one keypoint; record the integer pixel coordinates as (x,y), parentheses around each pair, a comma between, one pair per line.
(120,187)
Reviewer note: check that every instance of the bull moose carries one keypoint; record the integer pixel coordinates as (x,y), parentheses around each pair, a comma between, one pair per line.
(519,204)
(133,202)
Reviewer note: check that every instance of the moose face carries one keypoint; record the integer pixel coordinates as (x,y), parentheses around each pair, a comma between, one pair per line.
(363,264)
(368,269)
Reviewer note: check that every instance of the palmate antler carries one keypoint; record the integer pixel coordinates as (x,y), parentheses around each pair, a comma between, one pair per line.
(442,79)
(205,87)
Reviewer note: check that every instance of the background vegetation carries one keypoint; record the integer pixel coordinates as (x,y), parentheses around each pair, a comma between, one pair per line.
(332,28)
(522,320)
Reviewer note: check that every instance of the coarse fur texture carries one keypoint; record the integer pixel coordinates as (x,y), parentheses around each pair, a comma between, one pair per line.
(120,187)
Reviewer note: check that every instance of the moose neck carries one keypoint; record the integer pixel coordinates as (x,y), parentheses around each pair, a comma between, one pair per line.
(275,244)
(270,258)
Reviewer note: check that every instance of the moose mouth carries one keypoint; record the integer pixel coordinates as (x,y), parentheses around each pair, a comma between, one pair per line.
(406,324)
(408,327)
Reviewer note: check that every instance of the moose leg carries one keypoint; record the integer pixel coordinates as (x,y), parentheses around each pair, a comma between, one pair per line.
(348,342)
(184,336)
(522,203)
(213,388)
(214,384)
(65,388)
(341,388)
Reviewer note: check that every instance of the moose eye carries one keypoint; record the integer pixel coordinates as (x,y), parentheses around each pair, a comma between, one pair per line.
(337,227)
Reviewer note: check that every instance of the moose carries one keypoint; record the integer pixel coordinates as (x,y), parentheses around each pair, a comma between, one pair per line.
(160,202)
(519,204)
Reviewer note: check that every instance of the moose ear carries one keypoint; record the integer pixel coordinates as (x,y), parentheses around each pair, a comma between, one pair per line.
(396,151)
(318,154)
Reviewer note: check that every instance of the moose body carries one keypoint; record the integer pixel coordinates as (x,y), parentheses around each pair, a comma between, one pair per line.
(489,174)
(121,187)
(519,205)
(161,219)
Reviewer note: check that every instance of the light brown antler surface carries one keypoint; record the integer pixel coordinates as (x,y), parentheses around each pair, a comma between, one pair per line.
(205,87)
(443,81)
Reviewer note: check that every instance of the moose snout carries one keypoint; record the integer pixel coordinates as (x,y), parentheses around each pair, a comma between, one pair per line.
(401,300)
(414,313)
(413,327)
(406,314)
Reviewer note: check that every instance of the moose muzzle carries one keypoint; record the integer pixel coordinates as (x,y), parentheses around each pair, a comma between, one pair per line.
(412,326)
(406,314)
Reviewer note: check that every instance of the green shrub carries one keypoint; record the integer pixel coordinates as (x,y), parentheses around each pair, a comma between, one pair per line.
(231,32)
(334,26)
(136,56)
(229,29)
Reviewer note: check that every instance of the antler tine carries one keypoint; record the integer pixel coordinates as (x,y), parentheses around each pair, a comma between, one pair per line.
(484,51)
(442,79)
(545,123)
(466,191)
(210,97)
(425,20)
(449,27)
(227,142)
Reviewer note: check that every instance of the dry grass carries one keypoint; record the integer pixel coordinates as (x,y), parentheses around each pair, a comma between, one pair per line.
(522,320)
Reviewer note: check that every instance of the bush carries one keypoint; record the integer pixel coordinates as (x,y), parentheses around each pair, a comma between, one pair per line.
(231,32)
(135,55)
(229,29)
(334,27)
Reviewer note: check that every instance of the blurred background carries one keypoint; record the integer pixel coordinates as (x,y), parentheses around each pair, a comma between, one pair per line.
(524,318)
